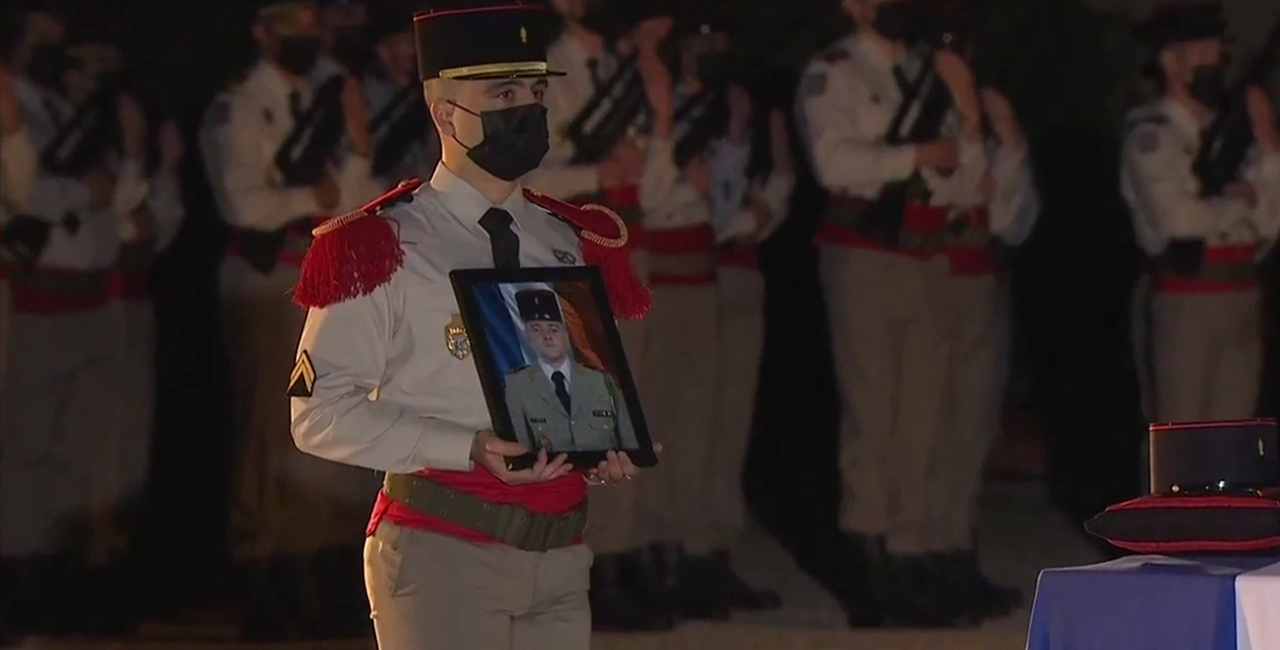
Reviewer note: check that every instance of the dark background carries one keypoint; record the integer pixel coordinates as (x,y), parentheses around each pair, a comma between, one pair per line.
(1070,73)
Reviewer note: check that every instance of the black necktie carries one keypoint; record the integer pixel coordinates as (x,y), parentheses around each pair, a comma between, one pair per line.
(594,66)
(503,241)
(295,105)
(557,378)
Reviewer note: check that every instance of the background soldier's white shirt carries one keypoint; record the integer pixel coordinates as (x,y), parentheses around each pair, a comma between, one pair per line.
(95,243)
(565,97)
(19,165)
(1163,192)
(388,393)
(846,101)
(239,137)
(1015,206)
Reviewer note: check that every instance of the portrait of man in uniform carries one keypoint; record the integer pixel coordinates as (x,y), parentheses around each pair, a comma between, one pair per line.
(557,402)
(551,361)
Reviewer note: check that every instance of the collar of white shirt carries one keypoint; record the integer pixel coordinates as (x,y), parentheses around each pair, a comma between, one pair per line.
(467,204)
(549,370)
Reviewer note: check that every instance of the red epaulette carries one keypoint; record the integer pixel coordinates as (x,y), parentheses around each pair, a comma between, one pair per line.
(604,241)
(352,254)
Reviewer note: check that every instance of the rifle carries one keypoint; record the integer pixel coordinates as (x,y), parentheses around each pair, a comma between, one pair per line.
(86,140)
(396,128)
(605,120)
(881,220)
(703,115)
(1226,142)
(304,156)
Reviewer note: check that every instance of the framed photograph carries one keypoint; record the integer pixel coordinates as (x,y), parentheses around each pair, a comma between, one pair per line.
(551,363)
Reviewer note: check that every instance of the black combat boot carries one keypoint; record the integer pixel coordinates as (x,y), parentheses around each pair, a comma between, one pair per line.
(919,599)
(651,574)
(989,599)
(737,592)
(617,605)
(692,581)
(855,569)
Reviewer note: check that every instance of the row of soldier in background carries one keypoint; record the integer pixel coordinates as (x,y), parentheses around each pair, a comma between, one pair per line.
(928,179)
(91,194)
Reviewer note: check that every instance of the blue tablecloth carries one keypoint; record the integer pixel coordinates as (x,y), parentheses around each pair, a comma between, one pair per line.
(1144,603)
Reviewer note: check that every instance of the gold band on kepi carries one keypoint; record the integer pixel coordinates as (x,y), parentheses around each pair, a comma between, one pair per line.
(484,41)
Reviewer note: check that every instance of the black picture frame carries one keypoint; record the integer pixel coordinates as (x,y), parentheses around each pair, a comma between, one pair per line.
(479,322)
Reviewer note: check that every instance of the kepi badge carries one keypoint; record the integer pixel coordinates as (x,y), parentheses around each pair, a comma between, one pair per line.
(302,381)
(455,338)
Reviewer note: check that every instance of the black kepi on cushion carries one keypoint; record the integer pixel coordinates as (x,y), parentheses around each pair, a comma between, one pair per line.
(1215,488)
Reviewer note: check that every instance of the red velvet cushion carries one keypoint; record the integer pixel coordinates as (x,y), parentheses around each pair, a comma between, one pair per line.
(1191,524)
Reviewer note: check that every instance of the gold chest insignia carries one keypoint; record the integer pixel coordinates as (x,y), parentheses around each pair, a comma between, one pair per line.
(455,338)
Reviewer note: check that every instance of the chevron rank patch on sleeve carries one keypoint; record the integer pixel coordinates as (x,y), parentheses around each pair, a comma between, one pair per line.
(302,381)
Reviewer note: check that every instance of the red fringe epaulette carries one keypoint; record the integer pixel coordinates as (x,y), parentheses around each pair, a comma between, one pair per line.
(353,254)
(604,244)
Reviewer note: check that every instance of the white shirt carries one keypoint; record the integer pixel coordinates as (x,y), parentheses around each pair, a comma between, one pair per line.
(563,369)
(388,394)
(565,98)
(1157,181)
(847,100)
(95,244)
(18,167)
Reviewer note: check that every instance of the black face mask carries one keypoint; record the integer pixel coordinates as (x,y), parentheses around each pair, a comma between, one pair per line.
(895,20)
(298,54)
(712,68)
(47,66)
(1208,82)
(515,140)
(352,48)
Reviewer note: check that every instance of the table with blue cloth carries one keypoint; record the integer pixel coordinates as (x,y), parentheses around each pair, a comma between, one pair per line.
(1152,602)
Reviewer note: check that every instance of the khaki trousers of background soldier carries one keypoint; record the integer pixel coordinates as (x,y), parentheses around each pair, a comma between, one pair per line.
(432,592)
(890,351)
(612,512)
(678,390)
(61,402)
(740,300)
(1207,354)
(977,322)
(137,387)
(283,501)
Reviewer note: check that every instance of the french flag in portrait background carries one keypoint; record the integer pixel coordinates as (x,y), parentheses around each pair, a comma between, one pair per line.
(504,329)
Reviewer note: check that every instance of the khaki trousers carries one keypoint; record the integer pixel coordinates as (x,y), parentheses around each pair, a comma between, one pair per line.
(137,386)
(740,301)
(432,592)
(890,348)
(283,501)
(977,322)
(678,390)
(1207,353)
(612,511)
(57,432)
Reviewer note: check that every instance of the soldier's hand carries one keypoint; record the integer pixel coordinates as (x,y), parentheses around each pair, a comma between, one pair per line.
(955,72)
(10,110)
(492,453)
(171,146)
(356,118)
(1242,191)
(939,154)
(144,224)
(739,113)
(327,192)
(1263,116)
(624,164)
(657,86)
(133,127)
(1003,120)
(615,467)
